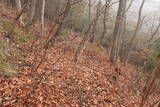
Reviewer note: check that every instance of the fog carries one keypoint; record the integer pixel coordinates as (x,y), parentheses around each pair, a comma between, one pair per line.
(152,5)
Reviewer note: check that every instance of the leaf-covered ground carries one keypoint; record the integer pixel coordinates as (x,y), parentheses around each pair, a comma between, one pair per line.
(91,82)
(59,82)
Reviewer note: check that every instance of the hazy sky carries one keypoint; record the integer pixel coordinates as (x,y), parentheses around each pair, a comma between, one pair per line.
(151,8)
(152,5)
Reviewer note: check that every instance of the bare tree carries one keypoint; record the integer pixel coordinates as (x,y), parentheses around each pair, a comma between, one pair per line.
(83,43)
(121,40)
(10,32)
(60,19)
(129,6)
(117,30)
(94,27)
(19,9)
(138,27)
(54,36)
(42,16)
(150,85)
(87,35)
(32,11)
(89,5)
(104,19)
(153,33)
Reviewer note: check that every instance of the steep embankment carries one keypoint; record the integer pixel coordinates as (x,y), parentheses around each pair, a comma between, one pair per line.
(92,82)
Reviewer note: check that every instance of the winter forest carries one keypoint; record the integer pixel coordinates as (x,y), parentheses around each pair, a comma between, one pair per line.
(79,53)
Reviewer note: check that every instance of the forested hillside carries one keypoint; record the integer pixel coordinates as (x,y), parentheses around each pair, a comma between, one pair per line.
(78,53)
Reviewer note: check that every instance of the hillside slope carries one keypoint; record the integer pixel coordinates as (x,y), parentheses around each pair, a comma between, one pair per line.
(92,82)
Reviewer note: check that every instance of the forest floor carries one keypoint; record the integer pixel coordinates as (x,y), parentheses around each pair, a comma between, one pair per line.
(58,82)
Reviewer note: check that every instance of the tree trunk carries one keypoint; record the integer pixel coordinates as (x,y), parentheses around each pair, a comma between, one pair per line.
(117,30)
(104,23)
(42,17)
(87,36)
(89,5)
(19,9)
(61,18)
(32,12)
(94,28)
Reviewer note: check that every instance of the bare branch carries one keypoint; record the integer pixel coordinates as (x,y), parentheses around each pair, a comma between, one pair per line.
(155,32)
(129,6)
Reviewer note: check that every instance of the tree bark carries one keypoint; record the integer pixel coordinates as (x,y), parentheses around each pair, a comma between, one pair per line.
(19,9)
(117,30)
(89,5)
(32,12)
(42,17)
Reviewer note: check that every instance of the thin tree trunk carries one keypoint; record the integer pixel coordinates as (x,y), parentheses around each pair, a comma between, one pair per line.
(104,20)
(121,50)
(32,12)
(89,5)
(153,34)
(138,26)
(86,38)
(55,35)
(94,28)
(61,19)
(83,42)
(129,6)
(42,17)
(19,9)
